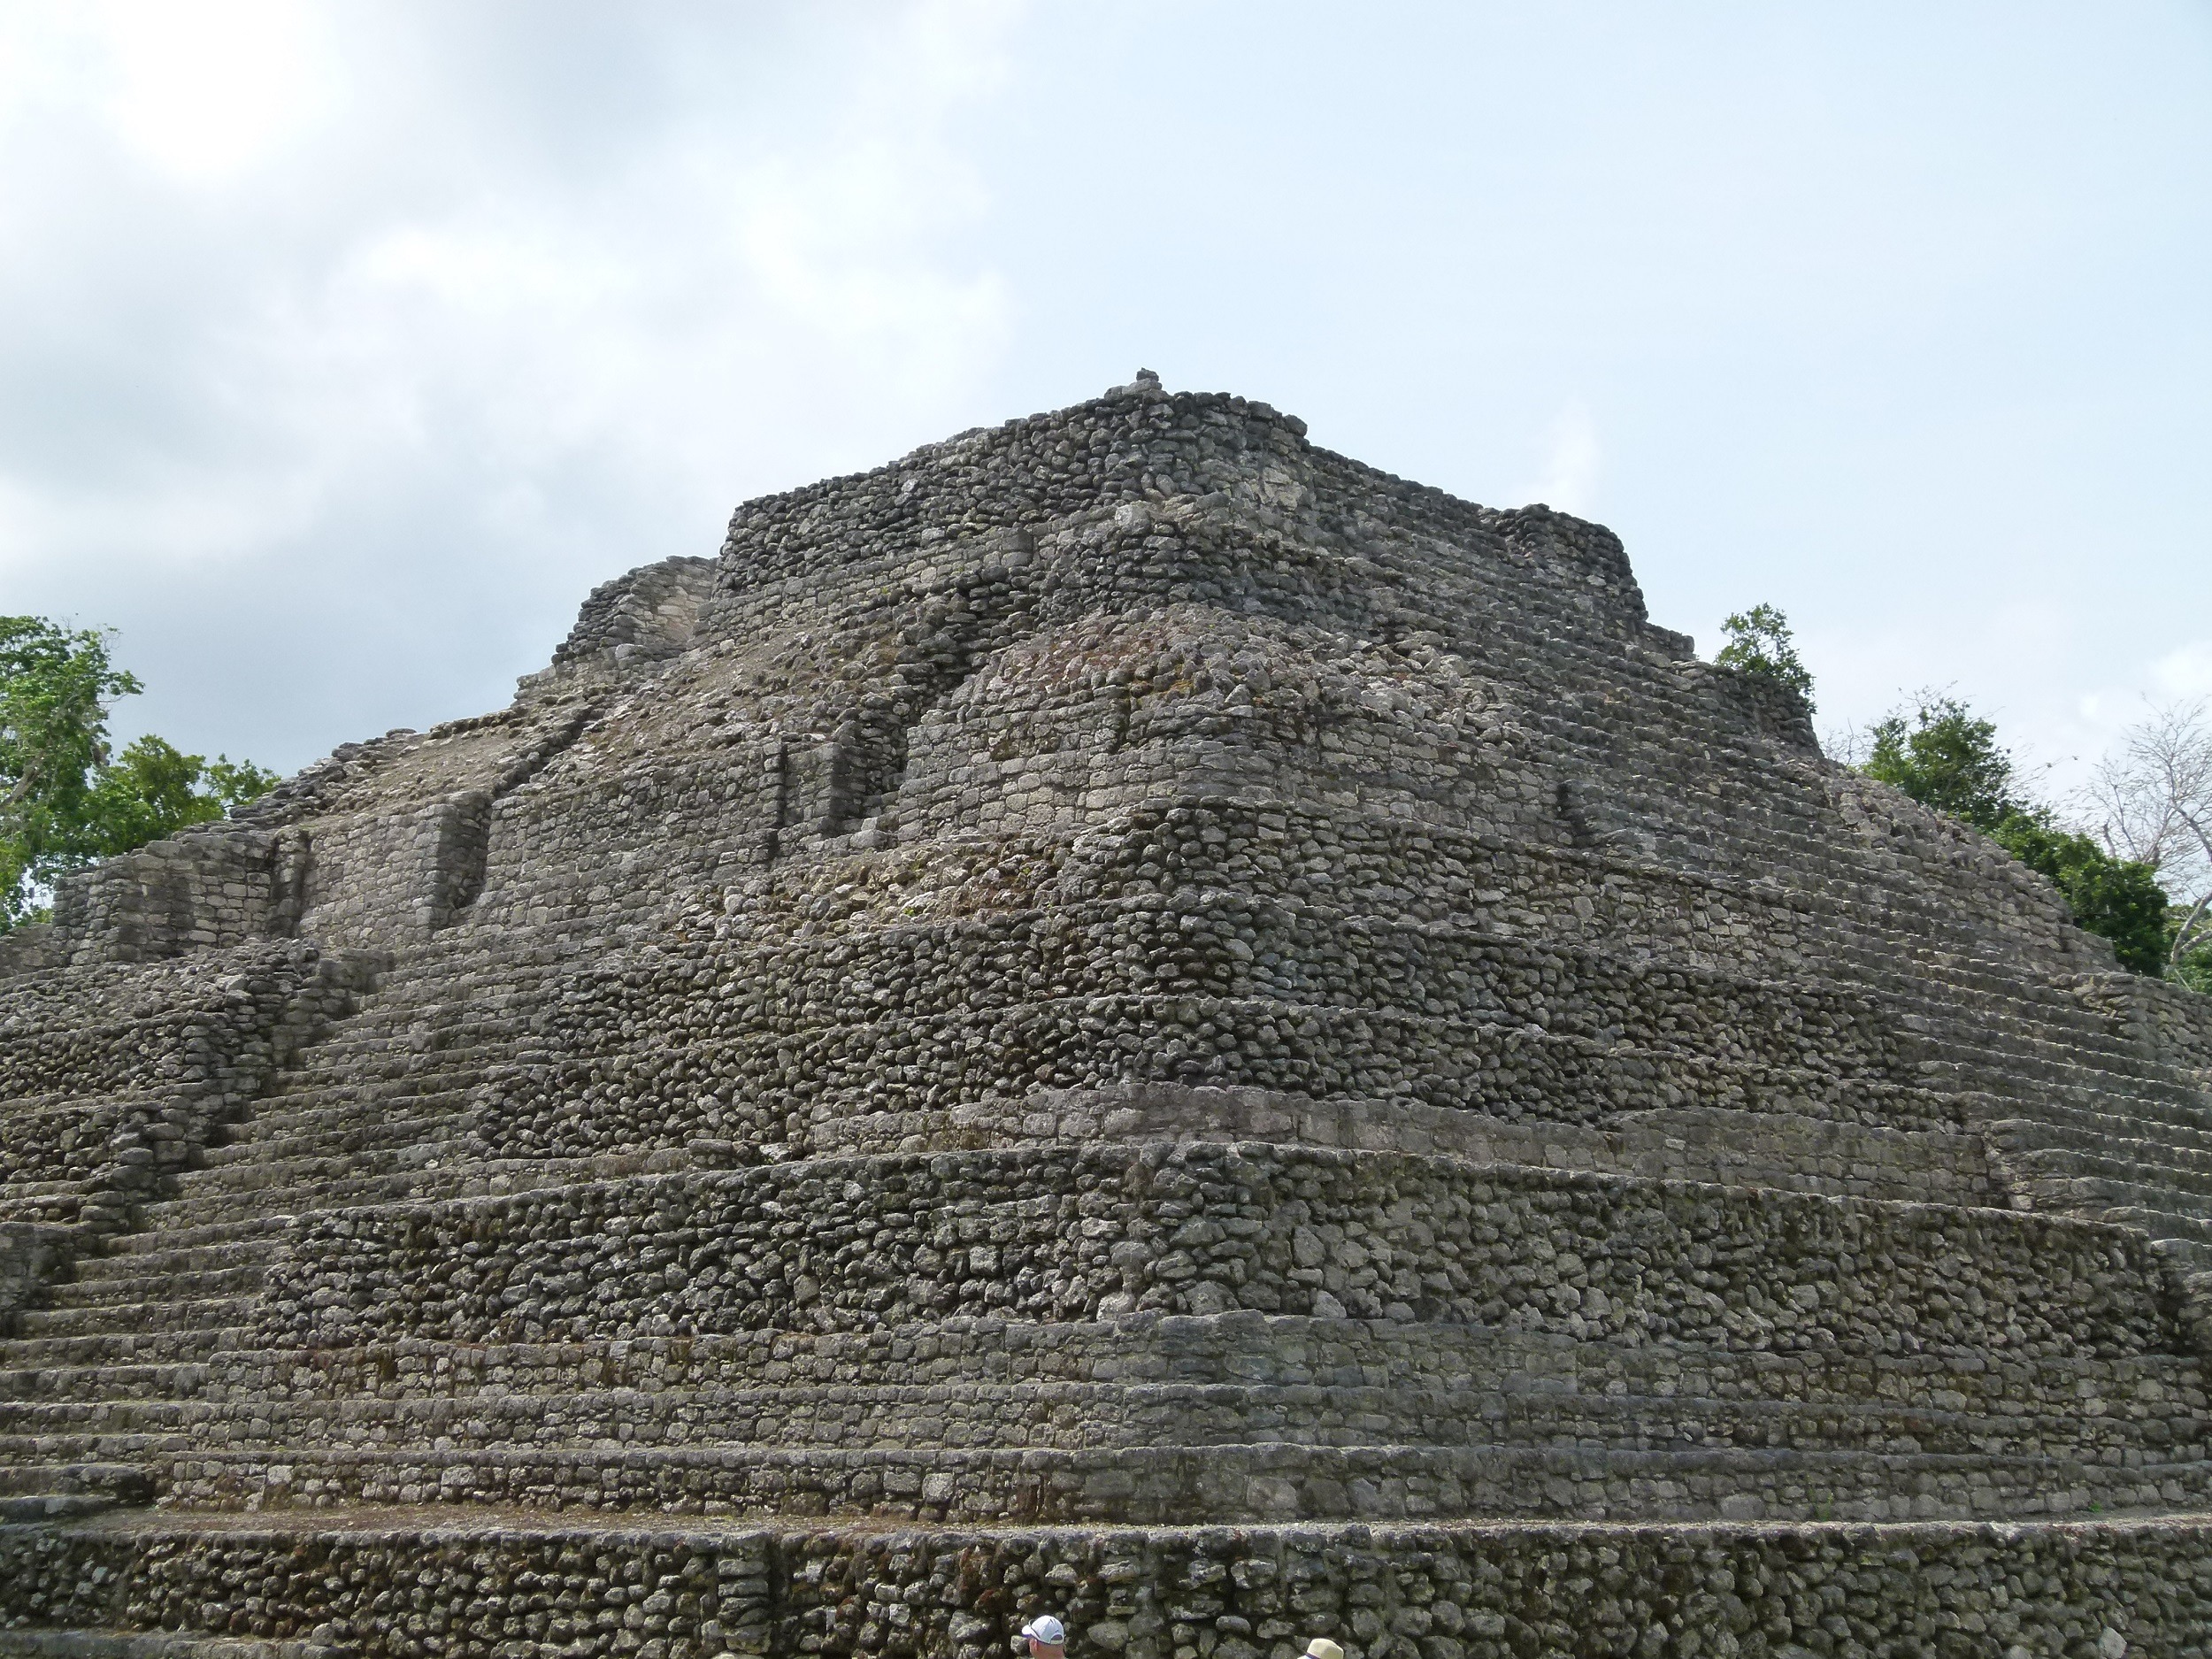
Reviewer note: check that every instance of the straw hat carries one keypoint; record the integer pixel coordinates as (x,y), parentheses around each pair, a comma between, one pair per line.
(1322,1647)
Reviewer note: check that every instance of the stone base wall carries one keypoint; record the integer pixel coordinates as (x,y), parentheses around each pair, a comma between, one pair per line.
(1063,1233)
(2140,1590)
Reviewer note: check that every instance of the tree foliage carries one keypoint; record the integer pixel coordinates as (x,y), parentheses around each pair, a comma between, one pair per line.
(2116,897)
(1947,757)
(66,799)
(153,789)
(2195,969)
(1759,644)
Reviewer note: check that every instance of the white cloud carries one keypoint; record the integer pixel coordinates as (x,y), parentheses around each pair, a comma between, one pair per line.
(202,91)
(2186,672)
(193,95)
(1569,480)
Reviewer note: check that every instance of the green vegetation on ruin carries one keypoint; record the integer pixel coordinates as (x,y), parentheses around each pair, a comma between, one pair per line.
(70,798)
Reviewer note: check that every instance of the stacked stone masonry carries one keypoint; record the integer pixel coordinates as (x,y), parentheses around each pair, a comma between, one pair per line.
(1124,1016)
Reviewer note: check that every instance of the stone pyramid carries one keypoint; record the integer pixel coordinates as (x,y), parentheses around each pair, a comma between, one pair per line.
(1124,1017)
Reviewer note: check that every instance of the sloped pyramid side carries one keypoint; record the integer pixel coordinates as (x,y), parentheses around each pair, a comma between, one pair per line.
(1122,969)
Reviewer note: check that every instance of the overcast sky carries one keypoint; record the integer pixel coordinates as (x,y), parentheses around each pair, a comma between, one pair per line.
(343,348)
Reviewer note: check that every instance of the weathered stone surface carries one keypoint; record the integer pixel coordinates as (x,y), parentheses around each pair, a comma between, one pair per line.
(1481,1592)
(1123,1015)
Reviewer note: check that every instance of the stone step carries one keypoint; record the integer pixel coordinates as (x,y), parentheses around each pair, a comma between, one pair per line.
(1982,1005)
(2027,1079)
(387,1073)
(34,1490)
(161,1235)
(152,1288)
(463,1176)
(2112,1181)
(71,1355)
(121,1481)
(2035,1057)
(166,1313)
(274,1174)
(2153,1214)
(407,1064)
(2056,1148)
(2057,1123)
(280,1119)
(1075,1417)
(132,1446)
(1220,1483)
(2009,1024)
(162,1262)
(358,1126)
(39,1508)
(15,1195)
(2026,1095)
(92,1385)
(32,1641)
(31,1109)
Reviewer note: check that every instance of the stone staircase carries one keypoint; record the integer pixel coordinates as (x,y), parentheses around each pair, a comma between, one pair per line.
(382,1112)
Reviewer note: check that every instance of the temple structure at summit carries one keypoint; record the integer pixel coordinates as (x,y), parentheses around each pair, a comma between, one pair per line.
(1126,1017)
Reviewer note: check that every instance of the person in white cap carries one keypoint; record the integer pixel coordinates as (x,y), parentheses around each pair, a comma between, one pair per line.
(1322,1647)
(1047,1637)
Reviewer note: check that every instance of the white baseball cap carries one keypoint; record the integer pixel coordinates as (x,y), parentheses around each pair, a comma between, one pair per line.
(1046,1629)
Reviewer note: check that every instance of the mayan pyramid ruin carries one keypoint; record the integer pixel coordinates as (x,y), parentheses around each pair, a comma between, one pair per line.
(1125,1017)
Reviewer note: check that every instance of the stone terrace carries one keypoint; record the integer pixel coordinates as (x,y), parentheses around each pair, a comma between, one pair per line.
(1126,1016)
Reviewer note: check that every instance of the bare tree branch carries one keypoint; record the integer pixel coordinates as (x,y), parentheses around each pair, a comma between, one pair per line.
(2152,801)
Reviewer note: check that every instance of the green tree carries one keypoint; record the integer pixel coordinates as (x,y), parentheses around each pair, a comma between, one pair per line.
(1948,757)
(56,684)
(2193,969)
(66,799)
(153,789)
(1760,645)
(2114,897)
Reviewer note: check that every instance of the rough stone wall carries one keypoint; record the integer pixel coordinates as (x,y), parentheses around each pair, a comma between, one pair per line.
(202,890)
(1056,1235)
(651,613)
(1469,1593)
(389,879)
